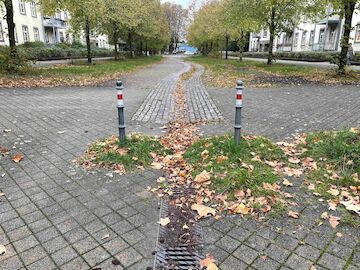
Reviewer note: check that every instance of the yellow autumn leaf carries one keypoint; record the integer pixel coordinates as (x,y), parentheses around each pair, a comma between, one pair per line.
(203,211)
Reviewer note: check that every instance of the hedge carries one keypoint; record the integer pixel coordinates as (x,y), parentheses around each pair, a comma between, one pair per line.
(299,56)
(57,52)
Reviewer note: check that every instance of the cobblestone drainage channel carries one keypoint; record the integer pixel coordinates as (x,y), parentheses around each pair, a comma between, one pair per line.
(181,256)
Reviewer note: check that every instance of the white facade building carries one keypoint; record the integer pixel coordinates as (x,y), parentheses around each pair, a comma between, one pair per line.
(324,35)
(31,25)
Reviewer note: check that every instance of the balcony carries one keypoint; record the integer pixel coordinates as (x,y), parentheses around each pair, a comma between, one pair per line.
(53,22)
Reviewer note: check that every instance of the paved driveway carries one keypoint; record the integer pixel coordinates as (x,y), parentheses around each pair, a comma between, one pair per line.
(57,216)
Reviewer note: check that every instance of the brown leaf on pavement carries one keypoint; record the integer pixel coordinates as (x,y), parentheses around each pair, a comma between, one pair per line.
(2,249)
(209,263)
(203,211)
(334,221)
(203,178)
(287,183)
(17,158)
(293,214)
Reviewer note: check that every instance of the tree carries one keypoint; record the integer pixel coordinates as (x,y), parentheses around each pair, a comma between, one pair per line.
(9,14)
(278,16)
(85,16)
(175,17)
(346,10)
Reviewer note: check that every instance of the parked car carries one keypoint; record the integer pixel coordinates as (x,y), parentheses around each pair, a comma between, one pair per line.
(189,53)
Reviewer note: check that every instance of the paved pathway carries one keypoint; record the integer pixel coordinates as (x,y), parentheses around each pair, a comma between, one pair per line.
(57,216)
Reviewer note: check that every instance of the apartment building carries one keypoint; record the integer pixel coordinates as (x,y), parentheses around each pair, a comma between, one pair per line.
(323,35)
(31,25)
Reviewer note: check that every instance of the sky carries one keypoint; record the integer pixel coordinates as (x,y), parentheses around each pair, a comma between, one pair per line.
(184,3)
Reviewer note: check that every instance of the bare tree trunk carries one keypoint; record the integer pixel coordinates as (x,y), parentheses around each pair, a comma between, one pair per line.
(227,46)
(146,49)
(130,44)
(272,34)
(88,45)
(349,7)
(115,40)
(11,27)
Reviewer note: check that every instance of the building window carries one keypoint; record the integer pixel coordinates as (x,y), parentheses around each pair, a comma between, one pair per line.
(22,7)
(296,39)
(321,36)
(33,9)
(357,33)
(66,17)
(332,37)
(265,34)
(303,38)
(25,31)
(312,37)
(1,32)
(36,34)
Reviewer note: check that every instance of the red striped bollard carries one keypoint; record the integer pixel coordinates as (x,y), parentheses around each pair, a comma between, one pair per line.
(238,106)
(120,106)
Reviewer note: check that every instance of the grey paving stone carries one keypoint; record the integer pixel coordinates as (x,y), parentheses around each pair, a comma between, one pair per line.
(96,256)
(232,263)
(132,237)
(85,245)
(44,264)
(25,243)
(339,250)
(47,234)
(12,263)
(286,242)
(332,262)
(55,244)
(64,256)
(265,263)
(76,264)
(308,252)
(228,244)
(116,245)
(246,254)
(32,255)
(128,257)
(277,253)
(19,233)
(257,242)
(219,254)
(298,263)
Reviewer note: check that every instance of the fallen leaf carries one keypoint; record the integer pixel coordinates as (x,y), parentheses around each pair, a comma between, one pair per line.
(293,214)
(287,183)
(221,159)
(240,209)
(332,205)
(204,154)
(2,249)
(164,221)
(239,194)
(2,194)
(105,236)
(7,130)
(157,165)
(185,227)
(333,192)
(311,187)
(17,158)
(202,178)
(325,215)
(294,160)
(203,211)
(209,263)
(334,221)
(123,151)
(61,132)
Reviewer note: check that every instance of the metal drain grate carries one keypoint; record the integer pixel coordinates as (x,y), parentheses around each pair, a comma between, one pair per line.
(176,258)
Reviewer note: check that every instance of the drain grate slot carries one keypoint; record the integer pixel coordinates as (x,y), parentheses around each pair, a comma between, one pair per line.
(181,257)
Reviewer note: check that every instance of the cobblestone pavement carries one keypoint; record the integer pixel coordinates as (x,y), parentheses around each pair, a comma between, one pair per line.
(282,242)
(56,216)
(159,104)
(199,105)
(278,113)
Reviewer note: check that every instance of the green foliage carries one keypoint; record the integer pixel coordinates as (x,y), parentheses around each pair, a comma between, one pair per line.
(306,56)
(10,64)
(60,51)
(137,148)
(237,176)
(338,151)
